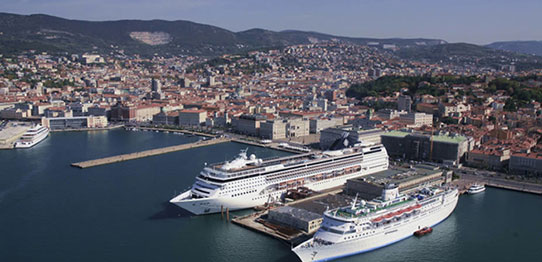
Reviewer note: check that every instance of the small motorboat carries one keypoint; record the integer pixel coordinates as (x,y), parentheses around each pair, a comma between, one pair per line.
(423,231)
(476,188)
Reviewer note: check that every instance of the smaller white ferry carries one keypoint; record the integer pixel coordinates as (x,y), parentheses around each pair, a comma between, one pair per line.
(369,225)
(475,189)
(32,137)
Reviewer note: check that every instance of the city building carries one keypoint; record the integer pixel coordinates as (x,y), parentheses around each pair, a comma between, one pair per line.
(141,113)
(443,148)
(318,124)
(450,109)
(407,179)
(404,103)
(387,114)
(354,135)
(78,122)
(192,117)
(166,118)
(413,120)
(493,158)
(273,129)
(296,127)
(248,124)
(526,164)
(92,59)
(57,112)
(156,85)
(283,128)
(96,111)
(432,109)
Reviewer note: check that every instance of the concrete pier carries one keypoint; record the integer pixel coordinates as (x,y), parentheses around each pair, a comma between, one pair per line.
(175,130)
(257,221)
(151,152)
(10,132)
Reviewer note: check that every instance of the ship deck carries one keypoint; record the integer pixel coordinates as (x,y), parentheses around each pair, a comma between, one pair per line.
(269,162)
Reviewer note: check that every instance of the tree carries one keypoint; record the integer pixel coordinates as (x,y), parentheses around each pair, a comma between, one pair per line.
(510,105)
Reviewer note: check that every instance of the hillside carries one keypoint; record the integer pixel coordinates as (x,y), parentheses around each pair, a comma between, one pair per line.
(48,33)
(470,54)
(525,47)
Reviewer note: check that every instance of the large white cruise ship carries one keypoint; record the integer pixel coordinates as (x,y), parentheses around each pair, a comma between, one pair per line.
(370,225)
(247,182)
(32,137)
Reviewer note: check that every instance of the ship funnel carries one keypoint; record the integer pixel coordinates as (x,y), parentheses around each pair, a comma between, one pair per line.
(390,191)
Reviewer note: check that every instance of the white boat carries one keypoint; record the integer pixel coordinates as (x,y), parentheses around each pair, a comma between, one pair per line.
(246,182)
(476,188)
(377,223)
(32,137)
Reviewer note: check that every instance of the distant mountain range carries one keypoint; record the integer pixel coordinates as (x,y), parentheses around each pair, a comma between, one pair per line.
(39,32)
(472,55)
(48,33)
(525,47)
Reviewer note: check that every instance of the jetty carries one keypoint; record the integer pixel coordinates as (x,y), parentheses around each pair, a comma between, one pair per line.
(317,203)
(147,153)
(173,131)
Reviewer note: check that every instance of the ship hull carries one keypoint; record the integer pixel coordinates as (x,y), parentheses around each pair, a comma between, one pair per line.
(210,205)
(385,237)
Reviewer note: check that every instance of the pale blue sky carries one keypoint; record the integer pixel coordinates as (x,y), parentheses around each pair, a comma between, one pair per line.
(474,21)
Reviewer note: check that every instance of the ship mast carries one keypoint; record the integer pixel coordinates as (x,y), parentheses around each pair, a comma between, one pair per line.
(354,203)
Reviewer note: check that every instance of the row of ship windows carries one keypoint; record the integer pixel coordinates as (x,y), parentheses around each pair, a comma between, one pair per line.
(358,235)
(317,169)
(243,186)
(254,183)
(244,193)
(321,171)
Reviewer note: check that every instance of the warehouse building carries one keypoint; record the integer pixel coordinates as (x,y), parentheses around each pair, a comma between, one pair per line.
(295,218)
(407,179)
(79,122)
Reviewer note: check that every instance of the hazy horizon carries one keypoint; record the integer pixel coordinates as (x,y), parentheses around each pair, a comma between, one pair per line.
(478,22)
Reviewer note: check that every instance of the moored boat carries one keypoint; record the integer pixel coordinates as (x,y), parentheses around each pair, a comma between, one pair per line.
(32,137)
(476,188)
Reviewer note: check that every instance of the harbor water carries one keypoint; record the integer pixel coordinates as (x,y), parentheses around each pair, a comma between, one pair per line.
(50,211)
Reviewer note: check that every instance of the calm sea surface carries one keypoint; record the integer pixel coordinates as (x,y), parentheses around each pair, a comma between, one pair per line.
(50,211)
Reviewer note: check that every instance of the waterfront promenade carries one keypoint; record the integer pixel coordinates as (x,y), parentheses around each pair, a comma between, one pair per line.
(147,153)
(467,180)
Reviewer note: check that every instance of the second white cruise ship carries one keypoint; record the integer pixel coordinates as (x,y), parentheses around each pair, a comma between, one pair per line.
(383,221)
(32,137)
(247,181)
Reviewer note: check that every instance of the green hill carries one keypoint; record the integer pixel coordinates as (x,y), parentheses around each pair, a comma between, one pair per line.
(48,33)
